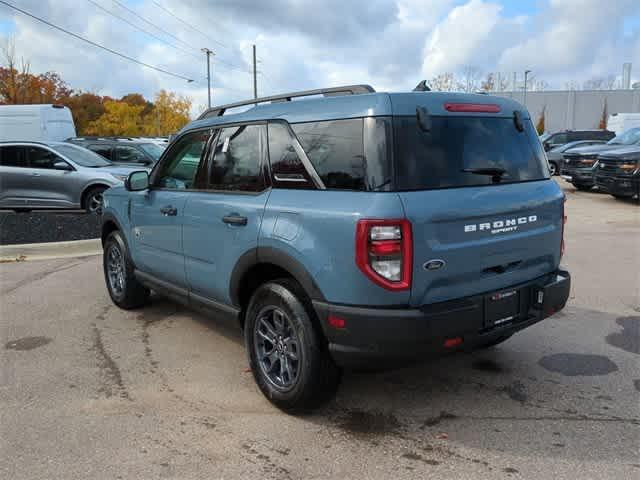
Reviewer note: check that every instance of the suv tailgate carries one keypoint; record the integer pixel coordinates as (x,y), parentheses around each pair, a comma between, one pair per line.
(489,237)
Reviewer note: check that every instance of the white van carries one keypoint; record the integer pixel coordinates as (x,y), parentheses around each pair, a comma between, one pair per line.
(621,122)
(36,123)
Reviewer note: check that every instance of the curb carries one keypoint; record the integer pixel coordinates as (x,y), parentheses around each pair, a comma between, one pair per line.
(50,250)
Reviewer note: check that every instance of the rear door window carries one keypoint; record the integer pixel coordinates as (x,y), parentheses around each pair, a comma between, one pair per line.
(13,156)
(335,149)
(104,150)
(130,155)
(238,159)
(286,166)
(438,158)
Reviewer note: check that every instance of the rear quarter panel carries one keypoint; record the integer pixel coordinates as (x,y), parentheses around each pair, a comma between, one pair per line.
(317,228)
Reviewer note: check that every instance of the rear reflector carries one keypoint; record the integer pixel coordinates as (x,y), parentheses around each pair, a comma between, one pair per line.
(452,342)
(472,107)
(336,322)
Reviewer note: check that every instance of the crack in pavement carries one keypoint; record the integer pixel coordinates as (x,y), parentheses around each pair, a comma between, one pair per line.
(109,368)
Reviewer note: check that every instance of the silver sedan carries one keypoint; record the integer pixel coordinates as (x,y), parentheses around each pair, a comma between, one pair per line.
(55,175)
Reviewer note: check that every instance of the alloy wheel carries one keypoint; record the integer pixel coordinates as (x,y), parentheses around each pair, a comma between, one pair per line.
(277,348)
(116,270)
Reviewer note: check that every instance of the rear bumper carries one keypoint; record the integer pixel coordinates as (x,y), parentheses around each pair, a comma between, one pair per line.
(579,176)
(388,337)
(621,186)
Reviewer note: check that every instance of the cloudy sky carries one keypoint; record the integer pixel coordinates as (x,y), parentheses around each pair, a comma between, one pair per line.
(390,44)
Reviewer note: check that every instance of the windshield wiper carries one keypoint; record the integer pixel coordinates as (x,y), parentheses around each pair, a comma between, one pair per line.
(496,173)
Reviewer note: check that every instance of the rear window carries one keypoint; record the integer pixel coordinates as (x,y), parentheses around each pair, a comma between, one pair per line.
(436,159)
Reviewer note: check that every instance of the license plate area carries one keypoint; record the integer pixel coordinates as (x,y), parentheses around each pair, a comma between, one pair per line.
(501,308)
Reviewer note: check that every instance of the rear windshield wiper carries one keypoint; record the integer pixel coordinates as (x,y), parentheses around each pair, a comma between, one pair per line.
(496,173)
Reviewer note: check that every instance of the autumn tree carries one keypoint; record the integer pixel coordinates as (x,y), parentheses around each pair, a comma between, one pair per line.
(488,84)
(445,82)
(540,126)
(470,79)
(169,114)
(86,108)
(19,86)
(119,118)
(603,119)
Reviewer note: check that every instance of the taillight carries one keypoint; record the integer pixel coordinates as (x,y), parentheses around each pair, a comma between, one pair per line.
(564,221)
(384,252)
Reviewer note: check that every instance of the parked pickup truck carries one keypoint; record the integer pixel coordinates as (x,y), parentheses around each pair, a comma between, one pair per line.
(618,172)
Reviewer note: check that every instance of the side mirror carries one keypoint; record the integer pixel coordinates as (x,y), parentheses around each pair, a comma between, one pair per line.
(62,166)
(547,146)
(137,181)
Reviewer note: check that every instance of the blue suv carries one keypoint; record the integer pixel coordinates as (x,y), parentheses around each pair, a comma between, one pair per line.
(348,229)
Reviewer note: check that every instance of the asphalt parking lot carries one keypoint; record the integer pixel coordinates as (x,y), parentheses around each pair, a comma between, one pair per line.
(90,391)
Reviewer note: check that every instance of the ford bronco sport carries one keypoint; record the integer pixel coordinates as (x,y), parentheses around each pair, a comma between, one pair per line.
(351,229)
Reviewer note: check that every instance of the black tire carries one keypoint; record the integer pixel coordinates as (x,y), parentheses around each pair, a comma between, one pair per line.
(553,167)
(92,200)
(583,188)
(622,197)
(131,293)
(314,379)
(495,342)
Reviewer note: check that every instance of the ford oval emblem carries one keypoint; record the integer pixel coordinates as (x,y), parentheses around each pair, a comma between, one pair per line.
(434,264)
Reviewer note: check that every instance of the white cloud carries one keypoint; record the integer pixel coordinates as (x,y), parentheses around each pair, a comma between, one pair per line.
(460,38)
(391,44)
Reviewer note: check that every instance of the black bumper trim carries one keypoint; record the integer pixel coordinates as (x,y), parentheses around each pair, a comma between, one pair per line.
(387,337)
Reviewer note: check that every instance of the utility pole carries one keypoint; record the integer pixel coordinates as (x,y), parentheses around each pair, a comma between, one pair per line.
(526,74)
(255,74)
(208,53)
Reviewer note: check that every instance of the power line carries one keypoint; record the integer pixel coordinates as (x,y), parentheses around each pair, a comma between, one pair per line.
(184,22)
(134,13)
(142,29)
(114,52)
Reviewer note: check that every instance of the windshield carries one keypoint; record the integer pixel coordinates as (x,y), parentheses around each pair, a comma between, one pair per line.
(437,158)
(153,150)
(544,136)
(82,156)
(630,137)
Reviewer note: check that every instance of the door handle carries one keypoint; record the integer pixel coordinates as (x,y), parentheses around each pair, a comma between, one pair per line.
(235,220)
(169,211)
(35,174)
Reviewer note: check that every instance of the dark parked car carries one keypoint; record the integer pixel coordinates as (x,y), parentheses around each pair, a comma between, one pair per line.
(618,172)
(346,231)
(122,150)
(553,140)
(579,163)
(555,156)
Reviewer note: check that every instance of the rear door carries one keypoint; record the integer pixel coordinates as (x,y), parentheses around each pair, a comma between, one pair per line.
(130,155)
(49,187)
(14,177)
(475,231)
(223,223)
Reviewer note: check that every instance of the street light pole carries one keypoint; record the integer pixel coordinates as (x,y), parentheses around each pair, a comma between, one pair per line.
(208,53)
(526,74)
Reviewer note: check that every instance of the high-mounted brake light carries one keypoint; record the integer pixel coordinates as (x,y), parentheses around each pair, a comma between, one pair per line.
(384,252)
(472,107)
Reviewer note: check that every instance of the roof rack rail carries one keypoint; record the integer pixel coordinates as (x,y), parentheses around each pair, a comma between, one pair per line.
(286,97)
